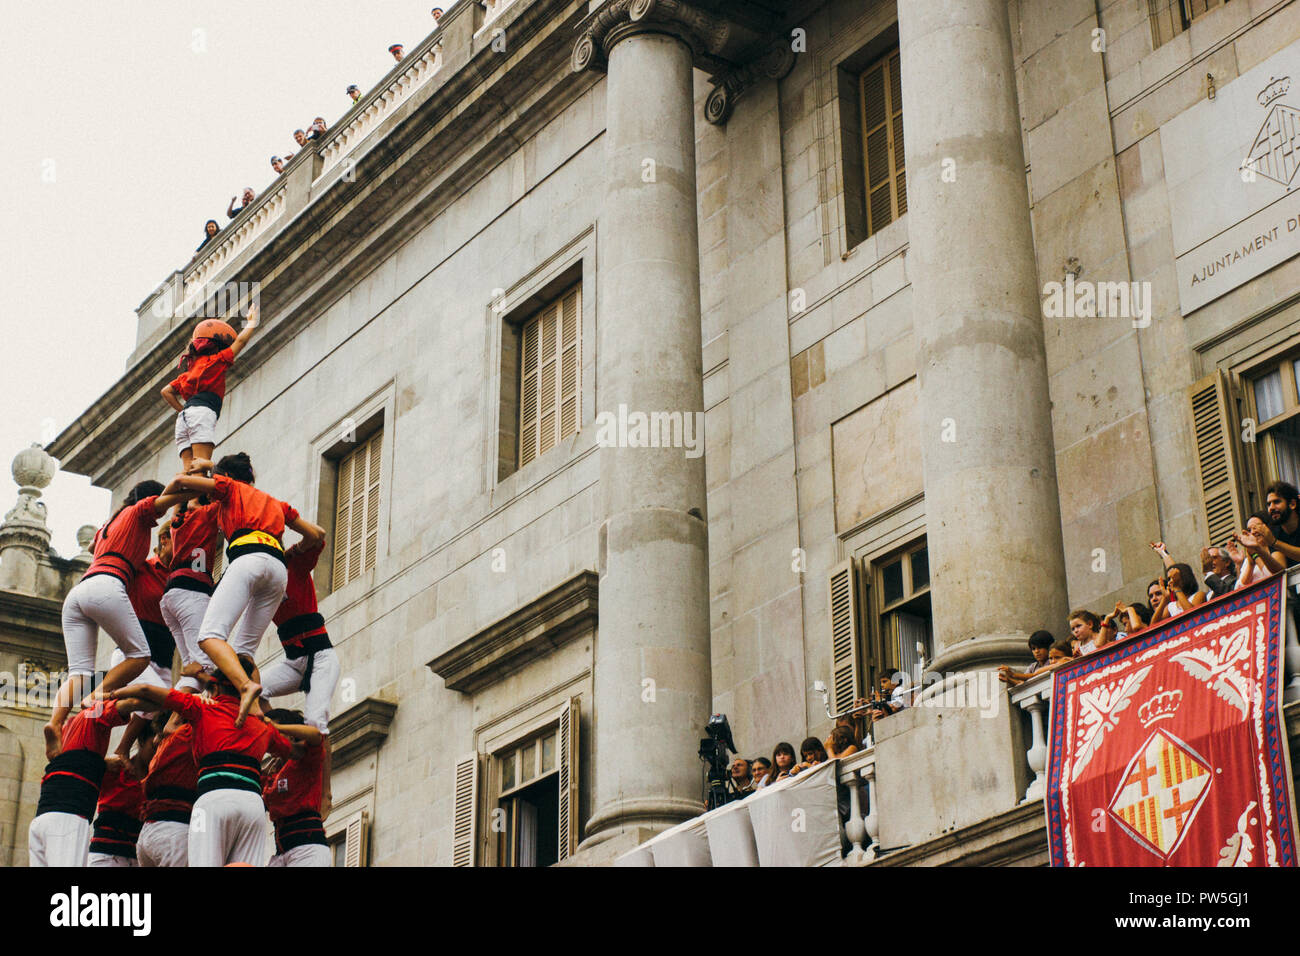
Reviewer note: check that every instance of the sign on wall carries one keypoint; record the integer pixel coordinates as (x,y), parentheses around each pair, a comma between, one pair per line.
(1231,167)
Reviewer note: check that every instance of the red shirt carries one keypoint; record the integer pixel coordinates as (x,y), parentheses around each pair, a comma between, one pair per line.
(215,730)
(173,763)
(121,792)
(207,374)
(86,730)
(147,590)
(300,592)
(296,786)
(122,545)
(245,508)
(195,535)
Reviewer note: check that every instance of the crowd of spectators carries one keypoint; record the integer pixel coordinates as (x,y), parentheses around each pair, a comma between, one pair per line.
(1269,543)
(302,137)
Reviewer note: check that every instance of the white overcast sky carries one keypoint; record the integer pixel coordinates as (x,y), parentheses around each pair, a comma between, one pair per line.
(148,115)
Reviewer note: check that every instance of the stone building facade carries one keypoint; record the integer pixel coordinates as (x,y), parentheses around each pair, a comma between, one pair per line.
(33,582)
(859,237)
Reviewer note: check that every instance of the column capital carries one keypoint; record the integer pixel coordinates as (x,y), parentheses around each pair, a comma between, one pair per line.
(735,54)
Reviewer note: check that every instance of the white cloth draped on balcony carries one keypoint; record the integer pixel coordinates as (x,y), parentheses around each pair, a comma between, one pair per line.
(792,823)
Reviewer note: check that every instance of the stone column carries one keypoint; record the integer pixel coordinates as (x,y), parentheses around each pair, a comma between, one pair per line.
(992,511)
(652,660)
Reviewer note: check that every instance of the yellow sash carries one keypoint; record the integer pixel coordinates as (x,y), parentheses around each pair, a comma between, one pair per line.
(258,537)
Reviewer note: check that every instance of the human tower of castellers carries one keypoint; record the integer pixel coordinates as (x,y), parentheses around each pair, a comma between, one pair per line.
(200,764)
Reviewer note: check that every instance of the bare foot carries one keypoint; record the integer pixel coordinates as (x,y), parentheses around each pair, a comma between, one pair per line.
(53,744)
(247,697)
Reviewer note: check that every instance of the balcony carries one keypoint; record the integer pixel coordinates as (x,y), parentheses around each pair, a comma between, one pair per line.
(370,112)
(492,10)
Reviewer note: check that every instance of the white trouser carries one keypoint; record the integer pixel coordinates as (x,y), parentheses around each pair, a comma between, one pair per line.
(183,612)
(109,859)
(58,839)
(163,843)
(228,826)
(285,677)
(253,586)
(155,675)
(312,854)
(95,602)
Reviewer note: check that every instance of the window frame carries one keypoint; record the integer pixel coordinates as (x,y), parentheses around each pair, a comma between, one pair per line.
(893,118)
(374,414)
(1261,459)
(886,658)
(554,303)
(1172,18)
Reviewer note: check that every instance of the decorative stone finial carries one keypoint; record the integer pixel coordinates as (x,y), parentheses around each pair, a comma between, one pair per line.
(85,535)
(33,469)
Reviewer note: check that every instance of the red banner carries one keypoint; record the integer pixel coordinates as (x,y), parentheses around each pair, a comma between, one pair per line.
(1169,748)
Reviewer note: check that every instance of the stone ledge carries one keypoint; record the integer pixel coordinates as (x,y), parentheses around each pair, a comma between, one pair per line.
(1014,837)
(530,632)
(360,730)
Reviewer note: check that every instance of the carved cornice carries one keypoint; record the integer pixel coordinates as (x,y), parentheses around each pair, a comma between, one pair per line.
(733,53)
(360,730)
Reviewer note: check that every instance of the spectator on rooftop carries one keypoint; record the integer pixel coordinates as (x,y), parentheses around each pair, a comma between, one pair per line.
(812,752)
(761,768)
(300,137)
(783,761)
(210,230)
(396,50)
(317,128)
(277,164)
(437,15)
(1040,644)
(354,91)
(1284,519)
(249,196)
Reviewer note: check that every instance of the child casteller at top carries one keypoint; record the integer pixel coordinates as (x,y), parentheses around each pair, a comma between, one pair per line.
(197,393)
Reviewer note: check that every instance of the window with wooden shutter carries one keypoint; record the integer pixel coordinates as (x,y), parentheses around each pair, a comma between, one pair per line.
(356,519)
(844,637)
(1216,419)
(882,141)
(535,810)
(464,812)
(568,782)
(550,371)
(349,840)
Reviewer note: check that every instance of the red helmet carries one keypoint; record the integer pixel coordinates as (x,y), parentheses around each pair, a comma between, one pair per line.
(213,329)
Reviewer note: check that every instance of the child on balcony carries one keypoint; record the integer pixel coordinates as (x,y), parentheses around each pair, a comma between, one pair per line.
(198,392)
(1040,646)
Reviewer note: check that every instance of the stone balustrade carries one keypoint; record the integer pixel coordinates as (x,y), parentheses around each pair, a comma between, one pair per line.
(861,829)
(267,209)
(492,12)
(1035,697)
(382,103)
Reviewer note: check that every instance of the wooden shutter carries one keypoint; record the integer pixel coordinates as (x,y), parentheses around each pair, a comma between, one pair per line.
(567,745)
(1215,421)
(882,138)
(550,393)
(356,517)
(844,636)
(464,813)
(357,839)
